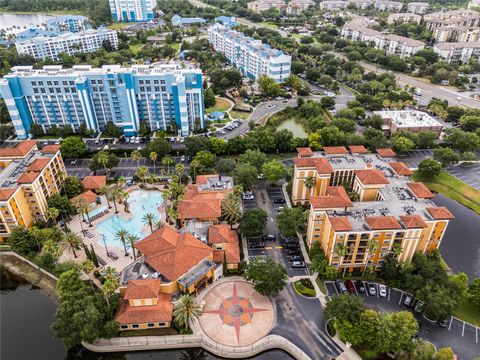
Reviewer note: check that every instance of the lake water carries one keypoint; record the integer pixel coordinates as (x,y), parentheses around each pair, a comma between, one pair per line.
(26,315)
(7,20)
(296,129)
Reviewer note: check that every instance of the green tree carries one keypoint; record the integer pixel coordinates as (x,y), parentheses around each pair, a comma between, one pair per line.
(206,159)
(425,139)
(103,160)
(22,241)
(429,168)
(209,98)
(398,329)
(253,223)
(402,144)
(136,155)
(274,170)
(142,173)
(439,301)
(245,175)
(269,87)
(112,130)
(105,190)
(72,186)
(470,122)
(232,209)
(327,102)
(446,156)
(186,311)
(122,235)
(267,276)
(254,157)
(132,239)
(218,146)
(462,140)
(344,307)
(225,166)
(292,220)
(73,242)
(51,247)
(157,145)
(73,147)
(445,354)
(473,293)
(62,204)
(149,219)
(53,214)
(195,144)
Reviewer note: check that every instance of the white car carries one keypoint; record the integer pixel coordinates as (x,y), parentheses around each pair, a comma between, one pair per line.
(248,196)
(260,176)
(382,290)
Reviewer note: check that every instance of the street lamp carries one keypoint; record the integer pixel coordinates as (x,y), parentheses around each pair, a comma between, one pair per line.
(105,243)
(81,226)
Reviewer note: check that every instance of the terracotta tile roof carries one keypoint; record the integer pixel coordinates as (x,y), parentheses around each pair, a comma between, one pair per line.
(413,221)
(340,223)
(201,205)
(50,149)
(336,197)
(420,190)
(358,149)
(6,193)
(335,150)
(371,177)
(304,152)
(89,196)
(162,312)
(382,222)
(203,179)
(38,165)
(21,149)
(400,168)
(321,164)
(142,289)
(172,254)
(440,213)
(222,234)
(218,256)
(386,153)
(94,182)
(27,178)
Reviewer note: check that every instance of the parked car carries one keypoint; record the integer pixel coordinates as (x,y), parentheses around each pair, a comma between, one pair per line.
(296,258)
(408,300)
(294,252)
(248,196)
(298,265)
(289,240)
(372,289)
(279,201)
(419,307)
(260,176)
(350,286)
(291,246)
(443,323)
(382,290)
(360,286)
(269,237)
(341,286)
(257,245)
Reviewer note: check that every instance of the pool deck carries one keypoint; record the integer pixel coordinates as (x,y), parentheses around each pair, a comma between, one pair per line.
(75,225)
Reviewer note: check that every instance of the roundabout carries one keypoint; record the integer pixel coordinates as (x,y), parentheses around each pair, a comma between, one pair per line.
(234,314)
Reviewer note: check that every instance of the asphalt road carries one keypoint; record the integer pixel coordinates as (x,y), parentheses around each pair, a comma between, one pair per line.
(461,336)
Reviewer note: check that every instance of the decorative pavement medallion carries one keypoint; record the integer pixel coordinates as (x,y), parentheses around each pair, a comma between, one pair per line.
(236,311)
(234,314)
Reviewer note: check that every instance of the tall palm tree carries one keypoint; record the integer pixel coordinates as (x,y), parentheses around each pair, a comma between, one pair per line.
(121,182)
(115,193)
(168,161)
(159,224)
(103,159)
(153,156)
(53,213)
(179,169)
(186,310)
(149,219)
(126,204)
(51,247)
(136,155)
(83,209)
(105,190)
(231,209)
(122,235)
(341,251)
(141,173)
(371,247)
(108,289)
(132,239)
(73,242)
(396,249)
(309,183)
(87,267)
(153,178)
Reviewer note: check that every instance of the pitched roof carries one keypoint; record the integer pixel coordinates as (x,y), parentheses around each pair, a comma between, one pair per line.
(203,179)
(304,152)
(27,178)
(222,234)
(336,197)
(321,164)
(371,177)
(413,221)
(6,193)
(440,213)
(420,190)
(162,312)
(335,150)
(382,222)
(93,182)
(38,165)
(21,149)
(142,289)
(400,168)
(386,153)
(201,205)
(340,223)
(50,149)
(358,149)
(89,196)
(172,254)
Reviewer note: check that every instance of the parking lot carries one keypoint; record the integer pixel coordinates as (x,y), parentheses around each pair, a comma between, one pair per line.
(271,200)
(461,336)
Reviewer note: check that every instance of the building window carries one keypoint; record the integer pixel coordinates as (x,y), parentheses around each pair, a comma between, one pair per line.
(150,325)
(352,236)
(124,326)
(161,324)
(135,326)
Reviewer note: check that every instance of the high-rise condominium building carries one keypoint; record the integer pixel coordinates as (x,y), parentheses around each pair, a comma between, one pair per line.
(132,10)
(165,96)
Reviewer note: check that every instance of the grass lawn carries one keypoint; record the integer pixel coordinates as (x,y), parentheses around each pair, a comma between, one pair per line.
(239,114)
(176,46)
(135,48)
(270,25)
(118,25)
(455,189)
(281,156)
(368,354)
(321,285)
(304,290)
(467,312)
(220,105)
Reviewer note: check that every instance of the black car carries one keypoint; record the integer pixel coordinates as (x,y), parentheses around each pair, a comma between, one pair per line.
(269,237)
(292,246)
(279,201)
(296,258)
(294,252)
(257,245)
(360,286)
(290,241)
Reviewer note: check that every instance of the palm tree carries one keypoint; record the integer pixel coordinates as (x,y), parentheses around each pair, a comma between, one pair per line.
(83,209)
(396,249)
(371,247)
(153,156)
(105,190)
(341,251)
(167,161)
(73,242)
(141,173)
(53,214)
(122,235)
(153,178)
(179,170)
(309,183)
(186,310)
(51,247)
(126,204)
(196,166)
(121,182)
(231,209)
(108,289)
(172,214)
(87,267)
(149,219)
(103,159)
(159,223)
(136,155)
(132,239)
(115,194)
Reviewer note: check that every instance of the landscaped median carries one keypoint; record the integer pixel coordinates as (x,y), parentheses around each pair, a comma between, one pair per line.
(305,287)
(455,189)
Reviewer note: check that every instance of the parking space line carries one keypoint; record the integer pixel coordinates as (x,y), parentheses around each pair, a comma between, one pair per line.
(268,248)
(389,291)
(401,297)
(279,247)
(366,288)
(476,335)
(450,325)
(463,328)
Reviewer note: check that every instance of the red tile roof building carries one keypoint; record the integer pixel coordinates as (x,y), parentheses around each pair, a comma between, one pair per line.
(225,244)
(94,183)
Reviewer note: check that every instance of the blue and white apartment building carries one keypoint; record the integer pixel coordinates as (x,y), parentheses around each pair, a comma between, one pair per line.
(56,26)
(132,10)
(165,96)
(252,57)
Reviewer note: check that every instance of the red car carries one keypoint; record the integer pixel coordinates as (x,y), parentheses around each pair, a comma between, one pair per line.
(350,286)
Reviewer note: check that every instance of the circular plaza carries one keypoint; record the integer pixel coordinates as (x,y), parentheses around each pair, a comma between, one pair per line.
(234,314)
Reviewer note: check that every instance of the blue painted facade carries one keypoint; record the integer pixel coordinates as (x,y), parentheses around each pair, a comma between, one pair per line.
(132,10)
(166,97)
(177,20)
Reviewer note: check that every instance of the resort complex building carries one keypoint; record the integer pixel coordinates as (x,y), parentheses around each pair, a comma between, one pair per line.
(165,96)
(57,26)
(46,47)
(28,177)
(409,120)
(417,7)
(458,52)
(462,17)
(252,57)
(294,7)
(457,34)
(132,10)
(181,21)
(381,5)
(404,17)
(384,211)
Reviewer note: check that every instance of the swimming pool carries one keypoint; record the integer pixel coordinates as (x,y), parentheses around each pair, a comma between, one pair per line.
(141,203)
